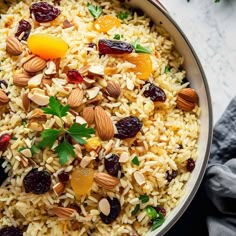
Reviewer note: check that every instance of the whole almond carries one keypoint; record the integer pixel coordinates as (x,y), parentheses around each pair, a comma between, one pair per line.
(26,102)
(113,89)
(106,181)
(184,104)
(13,46)
(3,98)
(21,79)
(188,94)
(104,125)
(63,212)
(89,114)
(34,64)
(75,99)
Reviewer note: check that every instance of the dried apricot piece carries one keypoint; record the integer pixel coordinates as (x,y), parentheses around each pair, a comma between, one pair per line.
(143,64)
(81,181)
(47,46)
(107,22)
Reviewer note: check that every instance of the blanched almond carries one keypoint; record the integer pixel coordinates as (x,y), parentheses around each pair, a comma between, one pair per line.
(106,181)
(86,160)
(75,99)
(13,46)
(63,212)
(26,152)
(21,79)
(104,206)
(58,188)
(80,120)
(139,177)
(113,89)
(26,102)
(38,96)
(51,68)
(93,92)
(88,115)
(96,70)
(34,64)
(108,147)
(3,98)
(104,125)
(124,157)
(35,81)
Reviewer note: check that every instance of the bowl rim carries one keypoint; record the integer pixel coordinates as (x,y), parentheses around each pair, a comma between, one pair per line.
(199,179)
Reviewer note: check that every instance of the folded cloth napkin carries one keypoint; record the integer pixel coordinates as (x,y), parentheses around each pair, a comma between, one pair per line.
(213,210)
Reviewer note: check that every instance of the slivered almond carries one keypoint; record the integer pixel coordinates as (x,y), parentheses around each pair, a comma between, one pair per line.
(139,177)
(85,161)
(34,64)
(104,125)
(78,152)
(35,81)
(80,120)
(75,99)
(13,46)
(96,70)
(26,152)
(89,114)
(63,212)
(113,89)
(104,206)
(3,98)
(106,181)
(24,161)
(46,82)
(38,96)
(21,79)
(93,92)
(37,113)
(35,126)
(51,68)
(58,188)
(26,102)
(124,157)
(108,147)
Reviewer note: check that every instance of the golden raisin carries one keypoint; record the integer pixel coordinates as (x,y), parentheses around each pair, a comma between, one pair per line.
(107,22)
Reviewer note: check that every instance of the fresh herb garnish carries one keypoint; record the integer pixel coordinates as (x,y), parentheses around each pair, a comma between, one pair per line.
(144,198)
(95,11)
(140,49)
(158,222)
(123,15)
(135,161)
(167,70)
(34,149)
(136,210)
(24,123)
(151,212)
(117,36)
(49,136)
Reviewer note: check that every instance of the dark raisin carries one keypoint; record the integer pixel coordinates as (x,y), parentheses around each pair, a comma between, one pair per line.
(10,231)
(37,182)
(3,174)
(171,175)
(112,165)
(190,164)
(155,93)
(24,26)
(63,177)
(3,84)
(106,46)
(128,127)
(114,212)
(4,142)
(161,209)
(44,12)
(74,76)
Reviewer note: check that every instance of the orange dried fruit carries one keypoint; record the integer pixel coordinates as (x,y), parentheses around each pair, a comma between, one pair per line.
(107,22)
(82,180)
(47,46)
(143,64)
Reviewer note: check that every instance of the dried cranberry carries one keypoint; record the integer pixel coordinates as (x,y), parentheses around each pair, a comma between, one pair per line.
(190,164)
(63,177)
(171,175)
(3,84)
(106,46)
(114,212)
(112,165)
(44,12)
(10,231)
(155,93)
(24,26)
(37,182)
(161,210)
(3,174)
(74,76)
(128,127)
(4,142)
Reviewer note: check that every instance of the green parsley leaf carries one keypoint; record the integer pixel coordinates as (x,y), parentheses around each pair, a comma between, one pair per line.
(34,149)
(49,137)
(158,222)
(64,151)
(167,70)
(135,161)
(144,198)
(136,210)
(151,212)
(95,11)
(117,36)
(21,149)
(140,49)
(24,123)
(55,108)
(78,132)
(14,138)
(123,15)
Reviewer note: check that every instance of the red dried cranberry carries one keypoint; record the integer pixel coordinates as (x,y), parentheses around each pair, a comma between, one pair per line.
(37,182)
(190,164)
(63,177)
(128,127)
(3,174)
(171,175)
(74,76)
(44,12)
(112,165)
(4,142)
(114,212)
(106,46)
(161,210)
(24,26)
(155,93)
(10,231)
